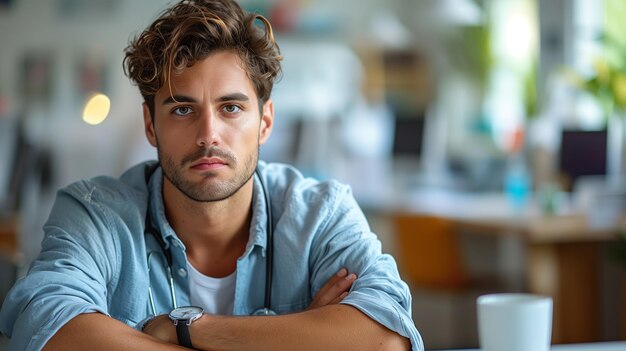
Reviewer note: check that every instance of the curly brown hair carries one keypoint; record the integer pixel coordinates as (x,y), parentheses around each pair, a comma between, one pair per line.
(190,31)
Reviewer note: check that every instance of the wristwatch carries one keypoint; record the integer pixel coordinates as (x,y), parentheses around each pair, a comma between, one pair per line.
(182,317)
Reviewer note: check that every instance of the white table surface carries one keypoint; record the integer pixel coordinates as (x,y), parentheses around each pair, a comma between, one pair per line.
(600,346)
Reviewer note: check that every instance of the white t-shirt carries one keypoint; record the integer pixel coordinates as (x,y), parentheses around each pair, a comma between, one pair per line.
(215,295)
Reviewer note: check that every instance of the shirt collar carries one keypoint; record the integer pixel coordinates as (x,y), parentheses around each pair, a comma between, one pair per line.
(258,224)
(157,209)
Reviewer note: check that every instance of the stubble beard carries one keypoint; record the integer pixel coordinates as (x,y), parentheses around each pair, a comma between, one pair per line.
(208,190)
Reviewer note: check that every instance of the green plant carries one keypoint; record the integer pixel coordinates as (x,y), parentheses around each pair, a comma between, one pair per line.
(608,81)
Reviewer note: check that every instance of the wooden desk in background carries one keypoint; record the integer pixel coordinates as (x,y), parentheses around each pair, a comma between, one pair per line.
(8,237)
(10,258)
(563,261)
(563,254)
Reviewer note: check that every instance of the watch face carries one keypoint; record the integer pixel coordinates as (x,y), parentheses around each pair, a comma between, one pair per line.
(186,313)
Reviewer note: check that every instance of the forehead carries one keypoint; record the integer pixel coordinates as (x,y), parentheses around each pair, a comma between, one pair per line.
(218,74)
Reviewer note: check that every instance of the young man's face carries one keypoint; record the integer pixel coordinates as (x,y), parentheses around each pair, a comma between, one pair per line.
(208,135)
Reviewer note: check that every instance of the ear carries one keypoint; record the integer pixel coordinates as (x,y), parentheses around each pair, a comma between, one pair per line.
(149,126)
(267,121)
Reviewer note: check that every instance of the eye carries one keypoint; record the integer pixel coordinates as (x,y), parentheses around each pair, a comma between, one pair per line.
(182,110)
(232,109)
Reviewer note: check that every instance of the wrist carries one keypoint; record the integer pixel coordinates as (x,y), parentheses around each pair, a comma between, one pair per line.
(183,319)
(160,327)
(141,326)
(205,331)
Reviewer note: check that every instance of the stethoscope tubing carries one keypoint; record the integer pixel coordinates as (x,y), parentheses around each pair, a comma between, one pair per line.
(171,285)
(269,263)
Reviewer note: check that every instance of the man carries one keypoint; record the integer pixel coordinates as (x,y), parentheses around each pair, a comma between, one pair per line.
(200,228)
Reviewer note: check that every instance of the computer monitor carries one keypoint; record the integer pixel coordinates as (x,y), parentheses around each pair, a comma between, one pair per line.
(408,136)
(583,153)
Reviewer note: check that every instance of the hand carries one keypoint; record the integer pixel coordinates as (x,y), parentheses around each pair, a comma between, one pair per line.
(337,287)
(162,328)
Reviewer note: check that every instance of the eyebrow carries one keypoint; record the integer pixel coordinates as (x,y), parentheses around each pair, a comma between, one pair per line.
(234,97)
(228,97)
(178,98)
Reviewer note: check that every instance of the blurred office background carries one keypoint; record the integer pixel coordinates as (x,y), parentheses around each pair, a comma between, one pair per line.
(432,110)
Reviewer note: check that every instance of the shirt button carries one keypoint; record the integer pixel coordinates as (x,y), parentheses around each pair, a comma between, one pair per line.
(182,272)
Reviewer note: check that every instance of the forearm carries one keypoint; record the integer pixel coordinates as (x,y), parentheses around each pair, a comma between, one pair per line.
(95,331)
(336,327)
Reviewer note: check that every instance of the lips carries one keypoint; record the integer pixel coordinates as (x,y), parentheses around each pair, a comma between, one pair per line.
(208,163)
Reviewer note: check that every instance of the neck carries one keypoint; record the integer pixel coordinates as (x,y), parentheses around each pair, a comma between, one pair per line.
(214,233)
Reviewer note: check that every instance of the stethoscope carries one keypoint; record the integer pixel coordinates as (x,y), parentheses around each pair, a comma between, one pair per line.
(266,310)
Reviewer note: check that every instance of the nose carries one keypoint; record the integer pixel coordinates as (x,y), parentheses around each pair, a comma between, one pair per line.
(207,130)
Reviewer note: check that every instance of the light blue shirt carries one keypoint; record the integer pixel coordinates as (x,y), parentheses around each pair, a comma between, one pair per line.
(95,249)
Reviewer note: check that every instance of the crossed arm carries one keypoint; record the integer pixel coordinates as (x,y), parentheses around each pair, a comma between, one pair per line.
(332,327)
(325,325)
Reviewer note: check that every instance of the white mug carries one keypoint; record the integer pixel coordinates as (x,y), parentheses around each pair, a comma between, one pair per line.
(514,322)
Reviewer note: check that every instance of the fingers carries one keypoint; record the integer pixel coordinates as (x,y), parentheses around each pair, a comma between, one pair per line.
(334,290)
(332,281)
(339,298)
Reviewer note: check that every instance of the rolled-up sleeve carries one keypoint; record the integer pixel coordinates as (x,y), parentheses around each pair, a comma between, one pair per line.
(68,278)
(345,239)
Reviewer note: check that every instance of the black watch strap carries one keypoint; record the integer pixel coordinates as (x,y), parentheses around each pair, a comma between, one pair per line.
(182,332)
